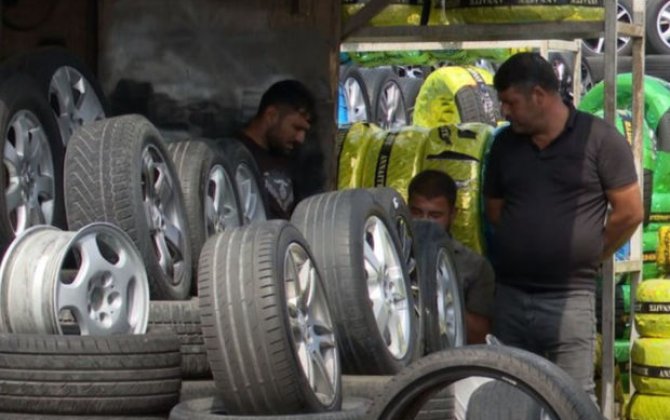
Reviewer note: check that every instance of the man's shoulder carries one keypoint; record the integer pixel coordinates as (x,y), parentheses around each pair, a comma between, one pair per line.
(466,253)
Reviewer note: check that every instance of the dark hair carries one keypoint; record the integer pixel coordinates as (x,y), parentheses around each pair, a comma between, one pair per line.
(291,93)
(526,70)
(431,184)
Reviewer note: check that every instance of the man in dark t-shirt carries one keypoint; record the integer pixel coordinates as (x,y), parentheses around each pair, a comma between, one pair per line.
(285,115)
(551,176)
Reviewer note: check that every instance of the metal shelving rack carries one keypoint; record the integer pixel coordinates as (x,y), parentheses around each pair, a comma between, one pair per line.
(358,36)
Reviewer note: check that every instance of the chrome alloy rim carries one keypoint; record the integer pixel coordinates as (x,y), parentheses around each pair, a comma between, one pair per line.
(311,324)
(448,305)
(386,287)
(73,101)
(391,107)
(30,185)
(94,278)
(356,107)
(663,24)
(163,214)
(597,45)
(220,205)
(250,195)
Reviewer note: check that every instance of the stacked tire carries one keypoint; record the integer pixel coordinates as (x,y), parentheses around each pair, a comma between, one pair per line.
(649,356)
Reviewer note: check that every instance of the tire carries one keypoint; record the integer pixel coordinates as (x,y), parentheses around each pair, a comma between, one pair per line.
(249,318)
(404,395)
(498,400)
(74,93)
(390,105)
(359,103)
(215,409)
(396,208)
(248,181)
(594,47)
(17,416)
(22,104)
(439,407)
(204,173)
(656,25)
(445,310)
(658,65)
(116,375)
(410,87)
(182,318)
(375,79)
(202,388)
(340,226)
(109,167)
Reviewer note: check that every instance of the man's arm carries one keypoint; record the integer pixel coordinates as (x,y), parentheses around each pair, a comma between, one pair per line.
(625,215)
(494,210)
(477,327)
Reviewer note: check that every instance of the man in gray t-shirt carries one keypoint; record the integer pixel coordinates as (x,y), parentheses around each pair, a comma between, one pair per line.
(432,195)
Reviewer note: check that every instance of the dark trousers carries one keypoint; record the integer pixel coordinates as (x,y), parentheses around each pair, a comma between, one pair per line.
(560,326)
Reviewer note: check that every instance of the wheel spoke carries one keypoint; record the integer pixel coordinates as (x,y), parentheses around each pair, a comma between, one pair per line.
(165,260)
(175,239)
(163,187)
(13,198)
(382,316)
(321,378)
(44,187)
(372,263)
(12,157)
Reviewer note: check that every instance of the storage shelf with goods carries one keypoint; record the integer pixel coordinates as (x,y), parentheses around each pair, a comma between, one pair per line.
(359,35)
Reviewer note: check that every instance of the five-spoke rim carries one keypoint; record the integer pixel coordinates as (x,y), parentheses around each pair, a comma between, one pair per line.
(102,283)
(311,324)
(220,204)
(163,214)
(250,195)
(386,287)
(30,185)
(73,100)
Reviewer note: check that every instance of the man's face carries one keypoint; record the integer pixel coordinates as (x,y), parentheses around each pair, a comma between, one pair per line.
(287,130)
(522,108)
(436,209)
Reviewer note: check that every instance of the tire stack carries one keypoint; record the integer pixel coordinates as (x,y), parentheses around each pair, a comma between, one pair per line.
(370,157)
(649,354)
(75,303)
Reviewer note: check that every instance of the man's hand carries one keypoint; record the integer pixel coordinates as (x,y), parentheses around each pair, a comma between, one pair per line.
(476,326)
(494,208)
(626,214)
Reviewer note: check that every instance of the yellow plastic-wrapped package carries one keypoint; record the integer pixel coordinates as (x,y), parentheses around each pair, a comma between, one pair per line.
(353,143)
(522,11)
(650,365)
(458,150)
(652,308)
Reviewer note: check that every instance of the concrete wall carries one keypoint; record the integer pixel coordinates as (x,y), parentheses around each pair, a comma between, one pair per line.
(198,67)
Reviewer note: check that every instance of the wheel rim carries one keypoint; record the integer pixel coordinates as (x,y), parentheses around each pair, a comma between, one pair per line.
(220,204)
(392,113)
(357,109)
(163,214)
(407,246)
(386,287)
(311,324)
(89,282)
(597,45)
(250,195)
(587,79)
(448,305)
(73,100)
(663,24)
(30,187)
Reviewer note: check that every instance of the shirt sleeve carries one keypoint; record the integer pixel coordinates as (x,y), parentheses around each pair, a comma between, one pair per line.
(492,179)
(479,296)
(616,166)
